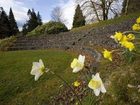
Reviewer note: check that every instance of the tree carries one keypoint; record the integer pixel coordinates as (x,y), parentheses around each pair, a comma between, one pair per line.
(5,30)
(96,10)
(79,19)
(13,24)
(24,29)
(57,15)
(39,19)
(32,23)
(130,6)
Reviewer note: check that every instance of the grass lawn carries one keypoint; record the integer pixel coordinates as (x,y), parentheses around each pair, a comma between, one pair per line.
(17,86)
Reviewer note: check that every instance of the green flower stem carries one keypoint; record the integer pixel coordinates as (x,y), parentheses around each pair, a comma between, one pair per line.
(67,85)
(127,32)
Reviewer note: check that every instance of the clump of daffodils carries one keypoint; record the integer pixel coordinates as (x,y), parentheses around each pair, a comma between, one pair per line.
(78,64)
(96,84)
(136,26)
(38,69)
(125,40)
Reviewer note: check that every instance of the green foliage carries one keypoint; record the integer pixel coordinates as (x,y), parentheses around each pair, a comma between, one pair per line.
(129,56)
(6,43)
(79,19)
(17,86)
(39,30)
(32,23)
(13,24)
(55,27)
(48,28)
(5,30)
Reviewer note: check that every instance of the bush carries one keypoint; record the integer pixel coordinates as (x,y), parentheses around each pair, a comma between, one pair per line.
(48,28)
(37,31)
(6,43)
(55,27)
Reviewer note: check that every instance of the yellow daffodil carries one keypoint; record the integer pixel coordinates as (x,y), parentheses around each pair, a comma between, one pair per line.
(129,45)
(131,36)
(118,36)
(96,84)
(138,20)
(38,69)
(107,54)
(78,64)
(136,27)
(76,83)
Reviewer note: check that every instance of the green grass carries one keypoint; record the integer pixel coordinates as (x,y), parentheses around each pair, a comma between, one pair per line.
(5,43)
(17,86)
(108,22)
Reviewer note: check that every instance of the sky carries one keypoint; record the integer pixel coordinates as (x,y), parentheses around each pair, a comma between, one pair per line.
(20,8)
(45,7)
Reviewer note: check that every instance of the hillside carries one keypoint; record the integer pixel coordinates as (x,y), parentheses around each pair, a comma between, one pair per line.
(120,77)
(79,37)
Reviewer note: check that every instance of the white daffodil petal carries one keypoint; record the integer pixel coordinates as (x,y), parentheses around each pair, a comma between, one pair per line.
(97,92)
(37,76)
(34,68)
(81,58)
(76,69)
(93,75)
(103,90)
(41,63)
(38,69)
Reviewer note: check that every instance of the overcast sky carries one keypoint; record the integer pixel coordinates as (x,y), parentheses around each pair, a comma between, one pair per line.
(20,8)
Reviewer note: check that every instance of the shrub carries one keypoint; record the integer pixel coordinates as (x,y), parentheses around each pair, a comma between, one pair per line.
(48,28)
(55,27)
(37,31)
(6,43)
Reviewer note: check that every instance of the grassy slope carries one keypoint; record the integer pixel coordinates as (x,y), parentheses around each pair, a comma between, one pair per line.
(107,22)
(17,86)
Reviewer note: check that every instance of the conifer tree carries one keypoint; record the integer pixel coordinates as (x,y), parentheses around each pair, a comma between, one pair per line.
(33,21)
(79,19)
(4,24)
(13,24)
(39,19)
(24,29)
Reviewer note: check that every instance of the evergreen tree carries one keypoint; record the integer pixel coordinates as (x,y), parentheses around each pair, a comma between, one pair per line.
(79,19)
(33,21)
(5,30)
(39,19)
(24,29)
(13,24)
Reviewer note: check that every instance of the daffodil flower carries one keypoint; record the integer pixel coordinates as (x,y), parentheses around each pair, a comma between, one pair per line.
(129,45)
(96,84)
(138,20)
(131,36)
(76,83)
(136,27)
(38,69)
(118,36)
(78,64)
(107,54)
